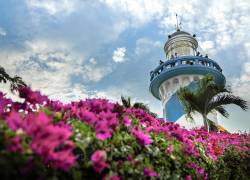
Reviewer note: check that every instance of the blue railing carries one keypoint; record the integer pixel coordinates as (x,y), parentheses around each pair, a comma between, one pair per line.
(182,62)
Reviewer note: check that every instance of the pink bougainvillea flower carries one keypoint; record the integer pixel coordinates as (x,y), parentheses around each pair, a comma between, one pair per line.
(35,122)
(15,144)
(130,157)
(169,149)
(149,172)
(115,177)
(14,120)
(87,116)
(127,121)
(109,118)
(188,177)
(50,141)
(142,138)
(98,159)
(63,159)
(33,97)
(103,133)
(199,170)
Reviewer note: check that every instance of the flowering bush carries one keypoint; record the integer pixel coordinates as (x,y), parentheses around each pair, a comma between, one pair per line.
(97,139)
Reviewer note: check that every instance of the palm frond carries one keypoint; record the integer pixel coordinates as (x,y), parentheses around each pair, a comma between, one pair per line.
(222,111)
(126,102)
(15,82)
(225,99)
(4,77)
(188,100)
(141,106)
(206,90)
(208,96)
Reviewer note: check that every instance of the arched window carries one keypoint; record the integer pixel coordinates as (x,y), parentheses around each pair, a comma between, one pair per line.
(185,80)
(196,78)
(175,81)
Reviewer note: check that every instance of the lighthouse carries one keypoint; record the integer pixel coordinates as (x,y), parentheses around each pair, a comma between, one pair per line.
(184,66)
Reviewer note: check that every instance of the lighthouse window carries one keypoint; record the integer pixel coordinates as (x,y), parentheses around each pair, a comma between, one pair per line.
(185,80)
(196,78)
(175,81)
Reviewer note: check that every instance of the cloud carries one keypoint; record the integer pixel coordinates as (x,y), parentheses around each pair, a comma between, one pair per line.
(94,72)
(144,46)
(241,85)
(67,43)
(53,7)
(119,54)
(2,32)
(207,45)
(48,68)
(126,89)
(223,22)
(138,12)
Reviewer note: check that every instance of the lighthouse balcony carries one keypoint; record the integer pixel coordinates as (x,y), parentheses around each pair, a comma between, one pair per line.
(185,65)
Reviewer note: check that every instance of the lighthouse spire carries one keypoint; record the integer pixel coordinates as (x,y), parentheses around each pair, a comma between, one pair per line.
(178,23)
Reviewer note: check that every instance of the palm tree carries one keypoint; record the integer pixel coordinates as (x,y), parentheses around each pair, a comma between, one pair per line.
(208,97)
(15,82)
(126,102)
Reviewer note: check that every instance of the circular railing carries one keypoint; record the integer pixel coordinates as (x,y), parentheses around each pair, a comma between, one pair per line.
(182,62)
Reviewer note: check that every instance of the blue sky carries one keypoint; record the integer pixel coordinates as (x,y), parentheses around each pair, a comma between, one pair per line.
(72,49)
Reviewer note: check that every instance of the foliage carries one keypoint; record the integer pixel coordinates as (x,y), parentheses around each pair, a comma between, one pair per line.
(15,82)
(233,164)
(126,102)
(208,97)
(95,139)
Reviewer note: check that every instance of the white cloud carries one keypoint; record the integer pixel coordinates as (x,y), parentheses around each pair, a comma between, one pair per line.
(126,89)
(138,12)
(241,85)
(53,7)
(144,46)
(49,69)
(2,32)
(224,22)
(207,45)
(93,72)
(119,54)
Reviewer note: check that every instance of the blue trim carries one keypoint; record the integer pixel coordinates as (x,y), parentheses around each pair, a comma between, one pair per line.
(184,69)
(187,58)
(173,108)
(155,84)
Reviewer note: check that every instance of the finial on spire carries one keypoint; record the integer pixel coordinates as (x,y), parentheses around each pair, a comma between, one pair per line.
(178,24)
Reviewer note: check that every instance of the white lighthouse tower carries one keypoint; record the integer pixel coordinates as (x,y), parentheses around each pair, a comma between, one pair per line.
(184,66)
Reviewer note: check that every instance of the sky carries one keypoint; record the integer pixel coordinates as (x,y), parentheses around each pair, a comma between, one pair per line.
(76,49)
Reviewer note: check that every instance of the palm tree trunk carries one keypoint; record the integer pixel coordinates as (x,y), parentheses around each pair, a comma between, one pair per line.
(205,121)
